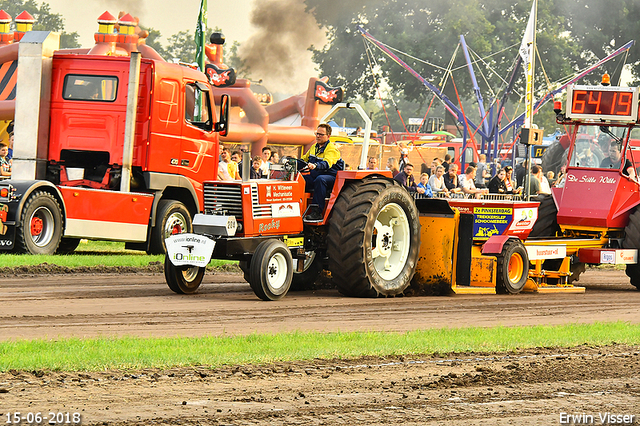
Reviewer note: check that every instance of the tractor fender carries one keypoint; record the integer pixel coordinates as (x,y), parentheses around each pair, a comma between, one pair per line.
(346,176)
(495,244)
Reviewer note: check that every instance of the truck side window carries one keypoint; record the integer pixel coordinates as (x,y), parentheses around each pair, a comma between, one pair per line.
(98,88)
(197,109)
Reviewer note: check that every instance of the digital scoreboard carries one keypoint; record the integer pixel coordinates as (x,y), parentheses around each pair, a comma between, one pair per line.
(602,103)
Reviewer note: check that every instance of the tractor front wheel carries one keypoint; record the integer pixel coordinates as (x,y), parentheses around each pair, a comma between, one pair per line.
(271,270)
(373,239)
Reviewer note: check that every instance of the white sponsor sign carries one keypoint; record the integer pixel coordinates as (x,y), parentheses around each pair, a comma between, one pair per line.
(546,252)
(619,257)
(285,210)
(189,249)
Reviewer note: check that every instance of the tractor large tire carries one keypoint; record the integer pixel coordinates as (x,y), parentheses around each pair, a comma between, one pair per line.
(513,268)
(632,241)
(172,218)
(303,281)
(547,223)
(373,239)
(182,279)
(553,158)
(40,227)
(271,270)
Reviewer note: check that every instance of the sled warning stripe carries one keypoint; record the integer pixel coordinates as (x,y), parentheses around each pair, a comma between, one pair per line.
(8,78)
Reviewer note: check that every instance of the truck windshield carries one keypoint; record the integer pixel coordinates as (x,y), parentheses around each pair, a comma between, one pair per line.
(98,88)
(592,145)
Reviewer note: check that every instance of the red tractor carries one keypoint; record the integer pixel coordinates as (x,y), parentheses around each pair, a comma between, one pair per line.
(368,237)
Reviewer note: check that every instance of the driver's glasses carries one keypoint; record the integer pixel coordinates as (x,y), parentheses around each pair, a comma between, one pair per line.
(320,134)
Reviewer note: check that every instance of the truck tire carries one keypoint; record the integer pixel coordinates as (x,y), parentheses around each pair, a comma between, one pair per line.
(182,279)
(632,241)
(303,281)
(68,245)
(40,227)
(172,218)
(513,268)
(271,270)
(373,239)
(547,223)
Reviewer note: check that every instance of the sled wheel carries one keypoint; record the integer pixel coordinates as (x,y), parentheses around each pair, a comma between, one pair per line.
(40,227)
(513,268)
(182,279)
(172,218)
(312,268)
(271,270)
(373,239)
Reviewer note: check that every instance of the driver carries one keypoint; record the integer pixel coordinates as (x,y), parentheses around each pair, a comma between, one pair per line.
(614,159)
(324,162)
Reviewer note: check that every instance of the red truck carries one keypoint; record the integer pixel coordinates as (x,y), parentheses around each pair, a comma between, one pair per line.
(107,147)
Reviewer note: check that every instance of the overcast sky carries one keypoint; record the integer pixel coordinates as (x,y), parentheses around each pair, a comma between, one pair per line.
(169,17)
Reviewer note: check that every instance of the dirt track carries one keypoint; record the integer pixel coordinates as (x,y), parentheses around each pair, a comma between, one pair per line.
(532,387)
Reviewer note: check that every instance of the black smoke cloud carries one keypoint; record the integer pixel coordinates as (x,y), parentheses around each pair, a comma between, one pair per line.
(278,52)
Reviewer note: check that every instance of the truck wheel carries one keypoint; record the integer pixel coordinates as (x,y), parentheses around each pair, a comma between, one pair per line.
(373,239)
(632,241)
(40,227)
(68,245)
(182,279)
(172,218)
(513,268)
(271,270)
(312,268)
(547,223)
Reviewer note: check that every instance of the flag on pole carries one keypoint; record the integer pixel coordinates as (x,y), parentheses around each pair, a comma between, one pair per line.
(527,52)
(201,29)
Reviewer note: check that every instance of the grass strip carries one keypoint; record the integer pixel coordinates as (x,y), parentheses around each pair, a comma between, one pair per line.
(135,353)
(92,253)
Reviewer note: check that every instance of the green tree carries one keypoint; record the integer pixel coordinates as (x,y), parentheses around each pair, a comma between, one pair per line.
(45,19)
(601,27)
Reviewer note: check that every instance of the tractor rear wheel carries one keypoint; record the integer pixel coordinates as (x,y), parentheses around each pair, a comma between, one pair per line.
(632,241)
(182,279)
(271,270)
(40,227)
(553,158)
(513,268)
(172,218)
(373,239)
(547,223)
